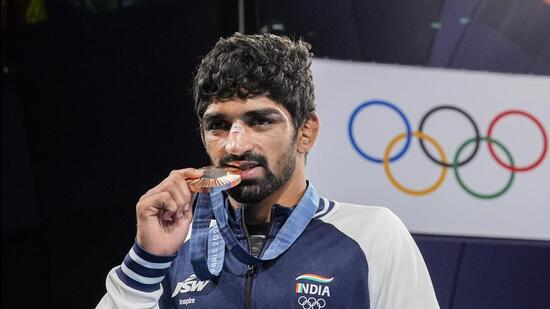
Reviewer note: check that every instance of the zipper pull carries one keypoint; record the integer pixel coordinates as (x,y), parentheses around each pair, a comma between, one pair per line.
(251,270)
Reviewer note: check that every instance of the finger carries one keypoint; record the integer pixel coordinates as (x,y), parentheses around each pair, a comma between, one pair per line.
(169,210)
(157,205)
(177,186)
(181,197)
(186,173)
(180,190)
(189,173)
(183,189)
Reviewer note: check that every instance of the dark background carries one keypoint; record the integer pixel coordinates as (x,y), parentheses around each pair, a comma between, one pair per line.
(96,109)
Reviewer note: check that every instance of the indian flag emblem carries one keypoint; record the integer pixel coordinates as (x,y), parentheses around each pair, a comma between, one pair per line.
(315,286)
(313,277)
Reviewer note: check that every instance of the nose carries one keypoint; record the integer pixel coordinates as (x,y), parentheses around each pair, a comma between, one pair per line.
(237,141)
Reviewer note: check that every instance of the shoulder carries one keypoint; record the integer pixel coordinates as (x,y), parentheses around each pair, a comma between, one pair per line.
(367,219)
(376,229)
(397,275)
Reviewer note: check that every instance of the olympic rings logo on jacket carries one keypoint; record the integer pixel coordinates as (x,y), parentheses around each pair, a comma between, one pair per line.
(311,302)
(443,162)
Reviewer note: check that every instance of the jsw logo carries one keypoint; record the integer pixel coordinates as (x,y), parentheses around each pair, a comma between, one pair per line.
(191,284)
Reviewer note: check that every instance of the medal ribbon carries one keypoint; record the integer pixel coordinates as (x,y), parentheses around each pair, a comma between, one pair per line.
(211,205)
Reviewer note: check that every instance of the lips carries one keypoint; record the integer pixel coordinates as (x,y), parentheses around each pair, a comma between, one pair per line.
(248,169)
(243,165)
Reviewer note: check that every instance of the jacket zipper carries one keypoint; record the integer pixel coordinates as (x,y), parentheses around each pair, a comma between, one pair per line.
(252,269)
(250,272)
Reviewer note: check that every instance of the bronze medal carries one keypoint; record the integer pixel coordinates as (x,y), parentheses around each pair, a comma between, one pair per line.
(215,178)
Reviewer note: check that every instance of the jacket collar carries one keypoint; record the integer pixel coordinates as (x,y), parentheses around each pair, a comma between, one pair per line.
(279,214)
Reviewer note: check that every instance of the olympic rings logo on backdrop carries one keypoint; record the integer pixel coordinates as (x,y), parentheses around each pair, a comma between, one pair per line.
(442,160)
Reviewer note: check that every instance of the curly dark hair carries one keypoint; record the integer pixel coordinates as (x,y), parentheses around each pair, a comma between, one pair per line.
(245,66)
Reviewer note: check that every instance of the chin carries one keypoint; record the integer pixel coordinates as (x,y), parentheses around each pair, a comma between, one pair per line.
(249,193)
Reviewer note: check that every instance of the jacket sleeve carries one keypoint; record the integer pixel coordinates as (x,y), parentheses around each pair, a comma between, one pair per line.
(397,275)
(136,283)
(401,279)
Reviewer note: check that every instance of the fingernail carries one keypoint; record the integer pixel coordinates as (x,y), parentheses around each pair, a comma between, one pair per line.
(185,207)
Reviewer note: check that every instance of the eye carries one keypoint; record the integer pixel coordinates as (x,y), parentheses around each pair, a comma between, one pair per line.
(217,125)
(261,121)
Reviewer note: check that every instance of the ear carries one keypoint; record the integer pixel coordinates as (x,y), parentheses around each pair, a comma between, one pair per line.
(308,133)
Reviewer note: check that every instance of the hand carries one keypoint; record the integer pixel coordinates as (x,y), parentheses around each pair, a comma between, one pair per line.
(164,213)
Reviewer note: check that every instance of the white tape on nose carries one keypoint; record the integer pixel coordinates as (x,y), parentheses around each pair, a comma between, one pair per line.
(237,129)
(236,134)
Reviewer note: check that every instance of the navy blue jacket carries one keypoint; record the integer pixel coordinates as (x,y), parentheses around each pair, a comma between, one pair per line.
(349,256)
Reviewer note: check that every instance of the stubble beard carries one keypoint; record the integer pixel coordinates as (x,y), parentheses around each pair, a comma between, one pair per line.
(253,191)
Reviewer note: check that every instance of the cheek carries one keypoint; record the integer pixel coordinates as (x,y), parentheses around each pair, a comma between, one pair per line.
(276,151)
(214,147)
(271,142)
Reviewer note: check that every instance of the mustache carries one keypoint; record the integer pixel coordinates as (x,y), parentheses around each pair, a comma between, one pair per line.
(248,156)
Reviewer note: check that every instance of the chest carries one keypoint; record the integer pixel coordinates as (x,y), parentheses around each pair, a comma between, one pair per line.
(320,270)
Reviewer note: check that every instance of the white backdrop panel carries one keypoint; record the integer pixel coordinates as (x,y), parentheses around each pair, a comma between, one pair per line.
(340,172)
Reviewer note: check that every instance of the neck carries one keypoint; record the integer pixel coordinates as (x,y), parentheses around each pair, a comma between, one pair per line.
(287,195)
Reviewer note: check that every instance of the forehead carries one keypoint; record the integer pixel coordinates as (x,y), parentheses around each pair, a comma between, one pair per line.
(235,108)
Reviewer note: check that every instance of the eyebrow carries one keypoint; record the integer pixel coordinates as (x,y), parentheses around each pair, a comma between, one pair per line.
(206,118)
(263,112)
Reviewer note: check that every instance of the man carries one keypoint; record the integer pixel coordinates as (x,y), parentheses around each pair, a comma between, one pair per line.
(255,102)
